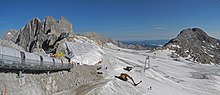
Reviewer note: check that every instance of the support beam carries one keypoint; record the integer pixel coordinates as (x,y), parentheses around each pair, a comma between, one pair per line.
(49,77)
(147,61)
(21,79)
(20,74)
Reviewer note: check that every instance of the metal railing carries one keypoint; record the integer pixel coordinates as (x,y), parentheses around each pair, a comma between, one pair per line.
(12,62)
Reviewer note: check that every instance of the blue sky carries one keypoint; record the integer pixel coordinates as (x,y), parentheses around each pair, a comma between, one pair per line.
(118,19)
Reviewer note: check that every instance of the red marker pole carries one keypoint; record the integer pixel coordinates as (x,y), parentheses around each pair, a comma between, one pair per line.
(4,90)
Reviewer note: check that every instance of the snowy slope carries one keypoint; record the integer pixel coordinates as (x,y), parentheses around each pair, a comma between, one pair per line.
(85,51)
(166,76)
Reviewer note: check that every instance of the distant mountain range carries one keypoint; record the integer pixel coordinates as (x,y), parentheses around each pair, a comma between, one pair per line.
(147,43)
(49,35)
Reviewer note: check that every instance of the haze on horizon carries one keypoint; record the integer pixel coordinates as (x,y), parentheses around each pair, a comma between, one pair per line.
(118,19)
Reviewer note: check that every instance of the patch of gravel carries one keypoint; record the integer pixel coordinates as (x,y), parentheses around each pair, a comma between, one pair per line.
(44,84)
(197,75)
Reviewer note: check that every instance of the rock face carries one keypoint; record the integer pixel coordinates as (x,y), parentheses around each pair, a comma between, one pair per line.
(196,44)
(97,38)
(46,36)
(9,35)
(10,44)
(100,39)
(136,47)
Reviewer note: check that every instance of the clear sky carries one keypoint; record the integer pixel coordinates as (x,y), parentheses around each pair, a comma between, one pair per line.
(118,19)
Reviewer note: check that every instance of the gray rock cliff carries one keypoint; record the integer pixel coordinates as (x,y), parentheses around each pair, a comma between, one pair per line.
(42,36)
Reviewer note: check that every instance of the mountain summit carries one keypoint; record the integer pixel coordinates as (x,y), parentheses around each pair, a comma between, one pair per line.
(197,45)
(42,36)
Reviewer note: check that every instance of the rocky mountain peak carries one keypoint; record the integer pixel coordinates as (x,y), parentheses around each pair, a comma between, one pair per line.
(46,36)
(62,18)
(194,33)
(196,44)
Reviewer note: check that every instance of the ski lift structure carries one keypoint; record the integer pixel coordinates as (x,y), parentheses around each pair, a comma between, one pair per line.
(147,62)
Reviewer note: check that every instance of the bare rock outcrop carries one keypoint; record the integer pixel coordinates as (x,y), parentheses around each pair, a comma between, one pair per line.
(9,35)
(48,35)
(97,38)
(101,40)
